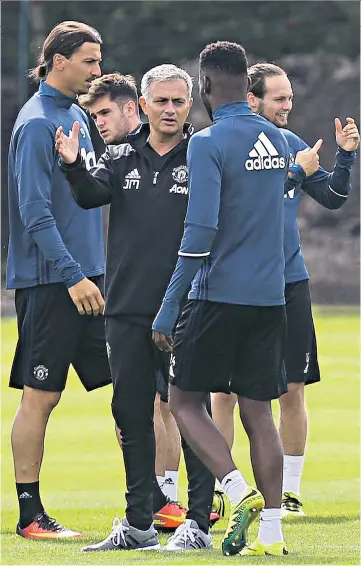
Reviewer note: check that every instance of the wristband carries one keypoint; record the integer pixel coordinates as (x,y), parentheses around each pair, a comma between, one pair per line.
(298,174)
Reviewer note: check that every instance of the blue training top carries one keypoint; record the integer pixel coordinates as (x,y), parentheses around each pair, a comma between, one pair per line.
(328,189)
(51,238)
(233,238)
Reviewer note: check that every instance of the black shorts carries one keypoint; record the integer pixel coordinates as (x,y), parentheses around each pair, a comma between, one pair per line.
(226,347)
(301,346)
(136,363)
(162,386)
(53,335)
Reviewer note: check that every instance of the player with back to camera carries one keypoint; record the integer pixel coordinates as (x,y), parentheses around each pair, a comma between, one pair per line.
(230,335)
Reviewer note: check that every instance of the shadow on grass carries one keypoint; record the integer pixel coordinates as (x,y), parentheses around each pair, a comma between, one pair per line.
(64,540)
(320,519)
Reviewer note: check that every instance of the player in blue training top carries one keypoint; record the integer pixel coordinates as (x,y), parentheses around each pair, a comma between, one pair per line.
(270,95)
(55,262)
(231,332)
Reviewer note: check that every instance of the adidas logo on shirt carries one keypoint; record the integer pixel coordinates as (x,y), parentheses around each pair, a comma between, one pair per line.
(132,180)
(264,155)
(133,174)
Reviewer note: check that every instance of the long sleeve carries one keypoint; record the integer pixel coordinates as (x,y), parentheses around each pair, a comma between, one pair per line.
(34,163)
(205,176)
(93,188)
(329,189)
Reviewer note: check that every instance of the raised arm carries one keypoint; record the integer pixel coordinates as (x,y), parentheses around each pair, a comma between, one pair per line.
(331,189)
(92,188)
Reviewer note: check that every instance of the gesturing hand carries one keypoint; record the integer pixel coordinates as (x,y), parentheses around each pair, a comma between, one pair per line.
(308,158)
(347,137)
(67,146)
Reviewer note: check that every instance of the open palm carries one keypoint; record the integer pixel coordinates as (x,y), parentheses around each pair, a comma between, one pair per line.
(68,146)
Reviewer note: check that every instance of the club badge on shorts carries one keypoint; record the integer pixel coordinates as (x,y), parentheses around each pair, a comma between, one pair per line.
(41,373)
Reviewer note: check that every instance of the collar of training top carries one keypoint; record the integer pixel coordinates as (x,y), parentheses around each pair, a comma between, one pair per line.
(140,135)
(231,109)
(60,99)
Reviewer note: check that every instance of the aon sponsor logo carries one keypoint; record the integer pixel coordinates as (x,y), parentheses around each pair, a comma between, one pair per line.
(179,190)
(89,158)
(264,155)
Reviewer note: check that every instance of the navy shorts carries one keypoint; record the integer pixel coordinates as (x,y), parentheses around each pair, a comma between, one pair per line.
(301,346)
(226,347)
(52,335)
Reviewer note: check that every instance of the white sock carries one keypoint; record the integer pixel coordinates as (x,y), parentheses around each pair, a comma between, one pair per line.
(270,528)
(234,485)
(170,485)
(217,485)
(292,472)
(160,480)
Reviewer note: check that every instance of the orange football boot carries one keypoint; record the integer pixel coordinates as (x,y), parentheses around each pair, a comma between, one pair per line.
(170,516)
(44,527)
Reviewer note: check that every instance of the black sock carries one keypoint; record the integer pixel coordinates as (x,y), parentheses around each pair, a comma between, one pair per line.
(159,499)
(29,502)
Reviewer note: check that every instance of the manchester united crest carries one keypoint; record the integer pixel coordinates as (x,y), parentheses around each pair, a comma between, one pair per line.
(180,174)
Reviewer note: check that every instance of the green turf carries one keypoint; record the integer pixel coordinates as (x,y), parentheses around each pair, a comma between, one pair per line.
(82,481)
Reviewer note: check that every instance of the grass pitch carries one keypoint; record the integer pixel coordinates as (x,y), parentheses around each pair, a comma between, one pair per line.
(82,480)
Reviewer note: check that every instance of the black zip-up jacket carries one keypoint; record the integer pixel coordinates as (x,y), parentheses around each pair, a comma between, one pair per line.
(146,221)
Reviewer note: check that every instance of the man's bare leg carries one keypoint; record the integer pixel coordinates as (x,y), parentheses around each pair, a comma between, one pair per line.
(199,430)
(161,442)
(223,414)
(27,440)
(205,439)
(293,433)
(170,485)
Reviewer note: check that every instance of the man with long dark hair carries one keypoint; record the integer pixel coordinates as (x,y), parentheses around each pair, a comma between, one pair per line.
(55,262)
